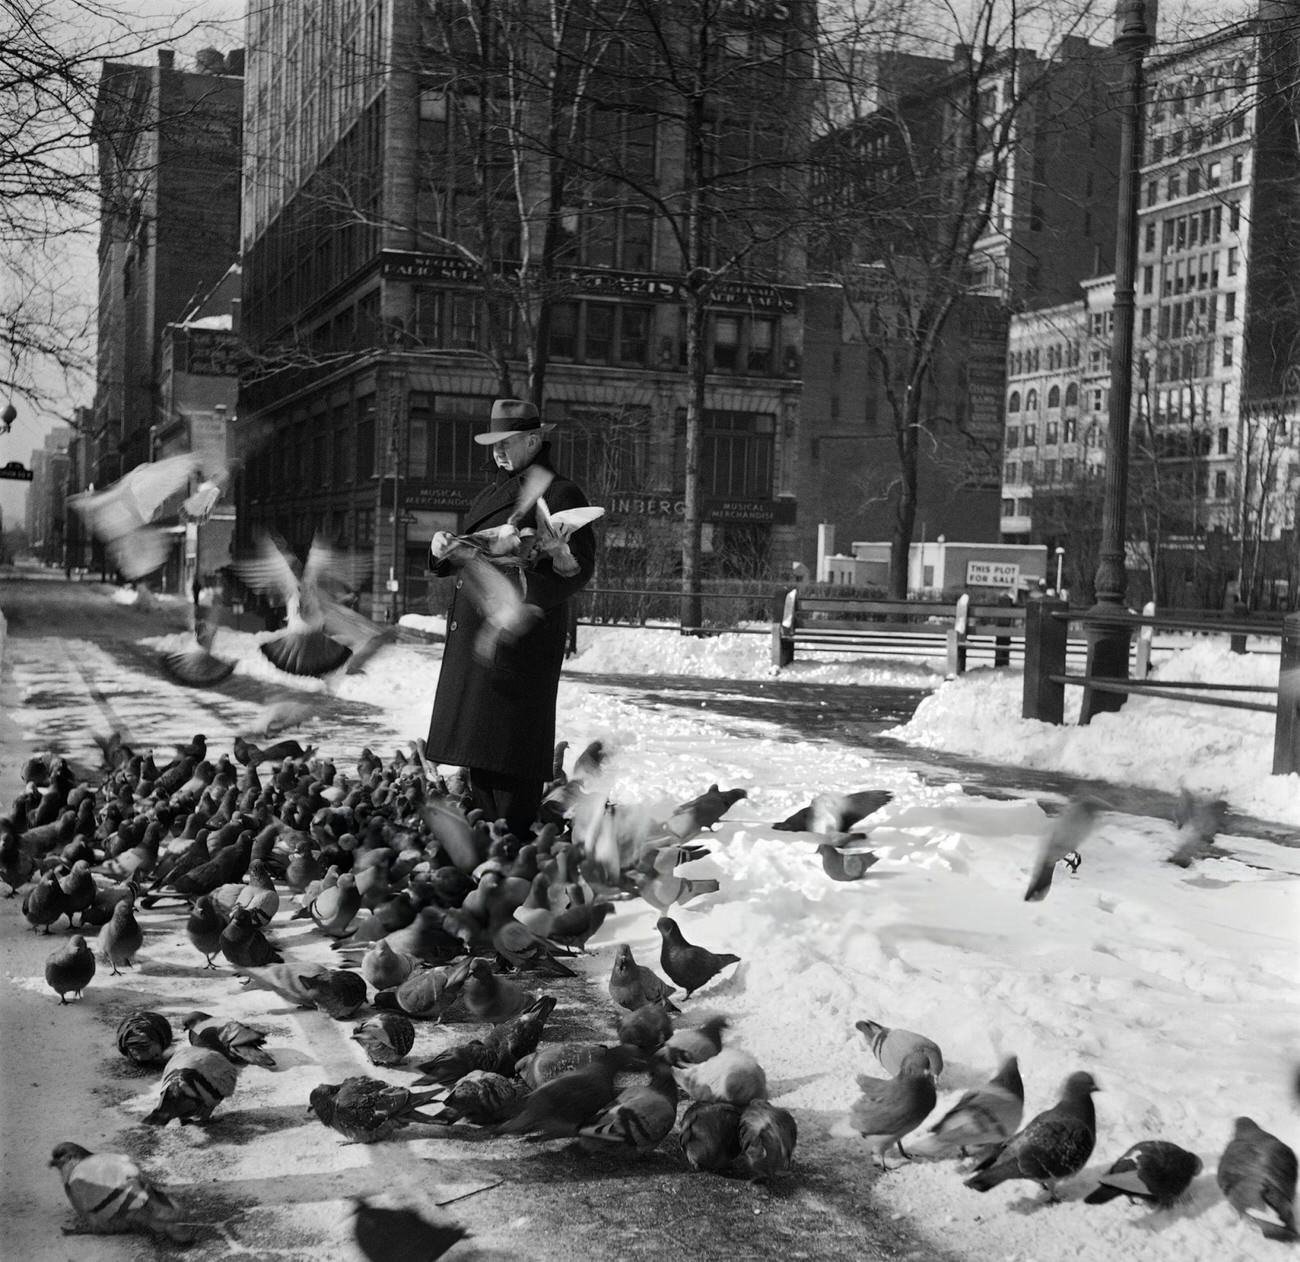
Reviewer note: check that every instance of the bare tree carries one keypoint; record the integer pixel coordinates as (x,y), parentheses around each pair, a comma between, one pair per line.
(51,53)
(911,191)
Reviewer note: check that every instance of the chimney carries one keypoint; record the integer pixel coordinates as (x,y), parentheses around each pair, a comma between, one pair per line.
(166,59)
(235,63)
(209,61)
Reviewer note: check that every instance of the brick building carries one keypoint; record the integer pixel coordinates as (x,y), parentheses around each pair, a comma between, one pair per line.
(417,242)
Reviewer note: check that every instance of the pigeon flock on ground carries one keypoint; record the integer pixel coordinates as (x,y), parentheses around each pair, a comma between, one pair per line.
(438,916)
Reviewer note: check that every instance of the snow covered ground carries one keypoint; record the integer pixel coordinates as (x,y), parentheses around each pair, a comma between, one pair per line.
(1175,988)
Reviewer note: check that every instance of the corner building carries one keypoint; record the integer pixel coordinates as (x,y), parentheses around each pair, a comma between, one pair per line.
(428,226)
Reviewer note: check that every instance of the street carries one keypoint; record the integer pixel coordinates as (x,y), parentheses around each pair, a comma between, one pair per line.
(267,1179)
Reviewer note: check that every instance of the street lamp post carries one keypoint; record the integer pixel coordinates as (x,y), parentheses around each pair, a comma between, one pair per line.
(1108,643)
(1060,557)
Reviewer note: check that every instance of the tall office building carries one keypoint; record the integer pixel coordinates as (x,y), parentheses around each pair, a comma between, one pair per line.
(168,142)
(978,184)
(1214,463)
(437,214)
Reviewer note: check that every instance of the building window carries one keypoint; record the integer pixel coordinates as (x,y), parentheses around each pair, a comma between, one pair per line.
(1214,175)
(736,454)
(563,339)
(1010,471)
(598,346)
(1067,469)
(1031,435)
(1227,352)
(1153,192)
(1223,440)
(1072,396)
(1149,238)
(1071,430)
(1175,185)
(1013,403)
(1050,434)
(762,343)
(1232,260)
(1013,437)
(1148,279)
(1049,471)
(365,527)
(1229,307)
(1031,401)
(1008,508)
(1221,485)
(1053,399)
(1238,169)
(633,335)
(726,342)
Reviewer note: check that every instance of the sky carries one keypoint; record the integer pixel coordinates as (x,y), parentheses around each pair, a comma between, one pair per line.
(1174,987)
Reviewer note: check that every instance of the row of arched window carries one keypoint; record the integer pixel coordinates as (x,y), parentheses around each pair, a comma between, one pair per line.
(1053,399)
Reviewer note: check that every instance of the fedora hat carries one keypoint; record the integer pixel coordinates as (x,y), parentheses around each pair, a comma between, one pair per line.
(511,417)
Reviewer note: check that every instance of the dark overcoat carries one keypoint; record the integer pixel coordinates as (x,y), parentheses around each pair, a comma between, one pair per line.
(499,715)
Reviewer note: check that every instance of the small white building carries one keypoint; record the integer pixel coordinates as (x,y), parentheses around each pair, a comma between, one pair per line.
(937,566)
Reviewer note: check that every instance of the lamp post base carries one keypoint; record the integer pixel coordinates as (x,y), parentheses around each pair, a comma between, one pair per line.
(1108,657)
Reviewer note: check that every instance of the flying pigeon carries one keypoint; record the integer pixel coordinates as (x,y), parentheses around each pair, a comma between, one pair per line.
(120,515)
(1067,833)
(322,633)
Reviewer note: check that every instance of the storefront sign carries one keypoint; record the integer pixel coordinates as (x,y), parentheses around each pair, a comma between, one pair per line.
(598,281)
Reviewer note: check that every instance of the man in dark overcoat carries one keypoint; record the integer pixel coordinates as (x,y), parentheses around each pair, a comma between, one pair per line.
(494,710)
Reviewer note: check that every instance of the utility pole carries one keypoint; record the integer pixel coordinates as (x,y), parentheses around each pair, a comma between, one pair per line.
(1108,643)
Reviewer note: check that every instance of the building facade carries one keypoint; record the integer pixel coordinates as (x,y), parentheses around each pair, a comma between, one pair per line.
(428,226)
(964,192)
(169,144)
(1214,466)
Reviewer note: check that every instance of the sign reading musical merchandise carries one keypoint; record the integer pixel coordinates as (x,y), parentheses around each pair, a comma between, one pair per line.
(992,574)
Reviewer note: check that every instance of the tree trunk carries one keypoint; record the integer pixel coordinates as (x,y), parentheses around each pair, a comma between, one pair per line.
(692,613)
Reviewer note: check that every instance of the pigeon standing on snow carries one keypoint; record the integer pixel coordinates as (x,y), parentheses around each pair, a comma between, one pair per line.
(688,965)
(195,1080)
(633,985)
(1067,833)
(767,1138)
(1053,1146)
(143,1037)
(121,939)
(1257,1173)
(984,1115)
(386,1037)
(112,1195)
(239,1043)
(710,1135)
(732,1076)
(891,1047)
(70,968)
(1152,1170)
(889,1108)
(365,1110)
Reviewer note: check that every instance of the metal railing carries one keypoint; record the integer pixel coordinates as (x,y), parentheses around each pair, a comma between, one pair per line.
(1046,676)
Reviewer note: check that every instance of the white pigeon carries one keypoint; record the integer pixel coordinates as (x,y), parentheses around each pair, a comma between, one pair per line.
(120,515)
(554,530)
